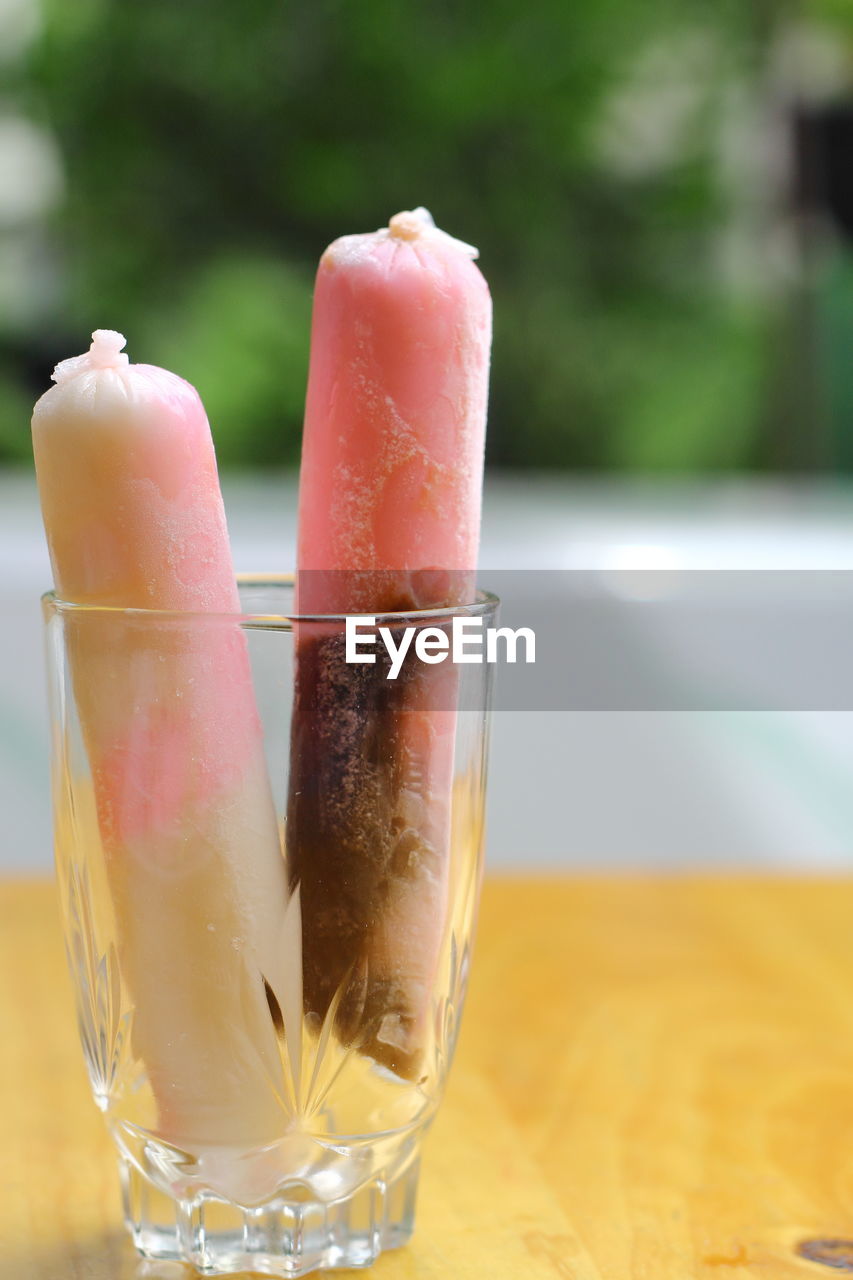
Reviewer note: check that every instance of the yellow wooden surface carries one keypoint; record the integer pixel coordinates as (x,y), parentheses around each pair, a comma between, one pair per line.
(654,1082)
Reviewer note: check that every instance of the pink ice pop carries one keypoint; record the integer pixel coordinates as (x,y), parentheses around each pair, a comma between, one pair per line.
(134,520)
(389,517)
(392,452)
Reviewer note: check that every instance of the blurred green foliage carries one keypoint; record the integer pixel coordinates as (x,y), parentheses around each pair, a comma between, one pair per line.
(211,150)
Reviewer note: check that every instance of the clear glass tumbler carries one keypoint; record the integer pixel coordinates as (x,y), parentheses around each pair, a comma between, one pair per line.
(269,861)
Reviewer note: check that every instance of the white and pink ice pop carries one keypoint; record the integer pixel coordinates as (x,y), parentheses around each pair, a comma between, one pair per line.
(135,521)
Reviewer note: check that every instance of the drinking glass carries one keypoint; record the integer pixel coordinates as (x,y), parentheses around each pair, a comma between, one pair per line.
(269,861)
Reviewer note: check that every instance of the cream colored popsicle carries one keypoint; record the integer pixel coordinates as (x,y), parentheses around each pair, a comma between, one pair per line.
(134,519)
(389,517)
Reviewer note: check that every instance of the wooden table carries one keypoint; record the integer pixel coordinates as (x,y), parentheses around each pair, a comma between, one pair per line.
(654,1082)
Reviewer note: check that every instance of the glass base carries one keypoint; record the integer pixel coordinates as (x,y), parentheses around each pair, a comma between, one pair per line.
(287,1236)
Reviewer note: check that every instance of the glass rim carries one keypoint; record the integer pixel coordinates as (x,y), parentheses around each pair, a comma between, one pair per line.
(486,602)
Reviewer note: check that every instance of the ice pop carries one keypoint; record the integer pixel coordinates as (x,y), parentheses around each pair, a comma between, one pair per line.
(389,516)
(134,520)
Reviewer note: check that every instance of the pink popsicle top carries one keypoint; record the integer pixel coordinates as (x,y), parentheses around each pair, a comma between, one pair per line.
(395,420)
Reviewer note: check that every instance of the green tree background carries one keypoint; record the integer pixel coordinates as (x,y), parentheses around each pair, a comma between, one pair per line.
(607,157)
